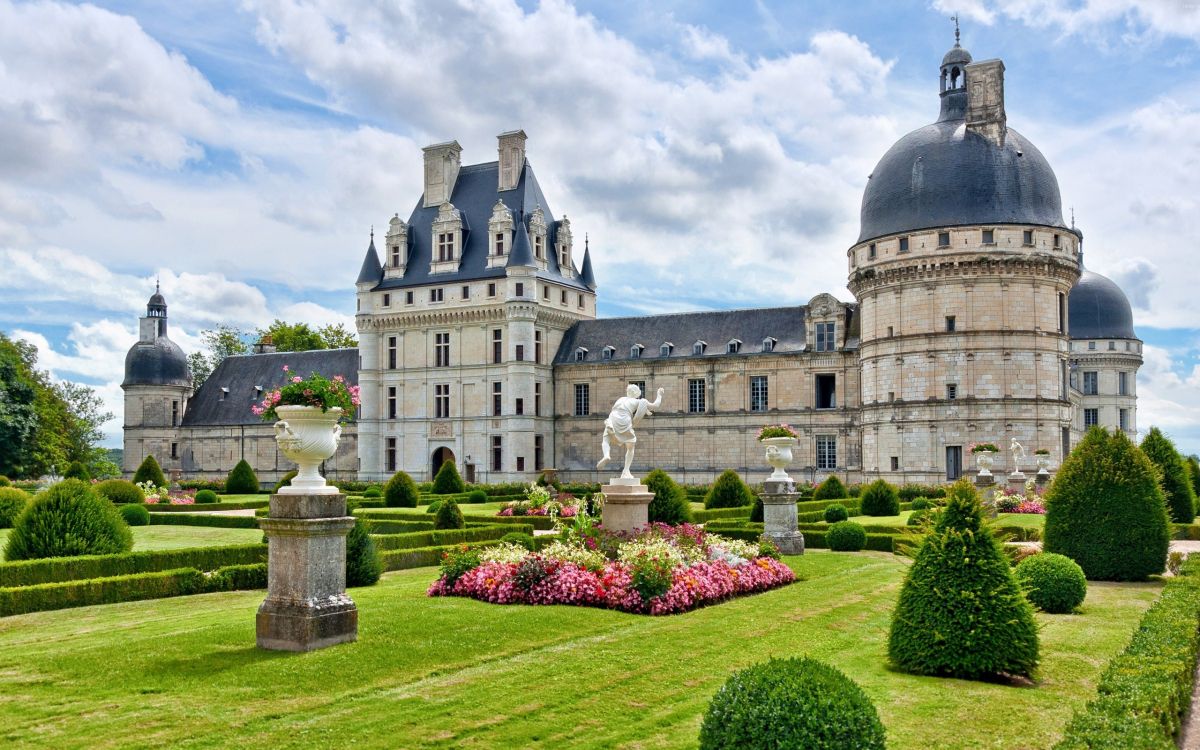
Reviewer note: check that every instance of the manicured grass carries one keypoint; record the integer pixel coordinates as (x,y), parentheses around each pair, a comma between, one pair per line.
(1024,520)
(235,499)
(179,537)
(455,672)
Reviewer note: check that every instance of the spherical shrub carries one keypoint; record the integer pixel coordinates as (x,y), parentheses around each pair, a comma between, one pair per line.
(447,481)
(961,613)
(241,480)
(476,497)
(791,703)
(670,503)
(449,516)
(135,515)
(831,489)
(729,491)
(836,512)
(12,503)
(206,496)
(119,491)
(5,481)
(285,480)
(149,471)
(1106,511)
(372,492)
(434,507)
(880,499)
(1053,583)
(400,491)
(1176,482)
(846,536)
(921,503)
(77,470)
(519,538)
(363,566)
(65,520)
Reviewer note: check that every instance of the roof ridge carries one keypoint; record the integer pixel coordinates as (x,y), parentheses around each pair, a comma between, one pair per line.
(699,312)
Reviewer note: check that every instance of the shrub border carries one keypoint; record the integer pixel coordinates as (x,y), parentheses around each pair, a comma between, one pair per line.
(24,573)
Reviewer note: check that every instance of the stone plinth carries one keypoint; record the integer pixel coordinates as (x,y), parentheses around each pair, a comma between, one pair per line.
(626,504)
(779,517)
(306,606)
(1016,482)
(984,480)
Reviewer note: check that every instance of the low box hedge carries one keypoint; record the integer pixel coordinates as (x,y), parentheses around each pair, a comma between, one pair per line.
(57,569)
(1144,691)
(720,514)
(1185,531)
(203,519)
(387,542)
(397,527)
(192,508)
(420,557)
(815,538)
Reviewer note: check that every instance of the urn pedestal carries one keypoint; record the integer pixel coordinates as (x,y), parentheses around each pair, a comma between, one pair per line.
(779,517)
(626,504)
(306,606)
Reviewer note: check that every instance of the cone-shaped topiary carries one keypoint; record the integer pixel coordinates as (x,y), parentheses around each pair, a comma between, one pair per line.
(242,480)
(448,516)
(135,515)
(831,489)
(1193,465)
(150,471)
(835,512)
(119,491)
(791,703)
(65,520)
(77,471)
(400,491)
(285,480)
(879,499)
(447,481)
(12,503)
(729,491)
(1106,511)
(670,503)
(1053,583)
(961,613)
(363,567)
(1176,483)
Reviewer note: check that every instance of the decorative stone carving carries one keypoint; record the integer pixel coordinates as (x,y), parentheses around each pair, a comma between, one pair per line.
(626,412)
(307,435)
(779,514)
(779,456)
(985,460)
(441,430)
(1018,456)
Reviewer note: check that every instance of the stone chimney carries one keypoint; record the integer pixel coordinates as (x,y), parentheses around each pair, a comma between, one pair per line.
(442,161)
(985,100)
(265,345)
(512,158)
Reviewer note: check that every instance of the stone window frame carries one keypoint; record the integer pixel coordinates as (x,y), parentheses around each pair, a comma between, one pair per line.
(1091,417)
(635,351)
(581,353)
(392,402)
(441,348)
(441,401)
(1091,383)
(943,239)
(697,391)
(759,393)
(825,450)
(903,245)
(665,349)
(583,399)
(607,352)
(768,344)
(446,239)
(699,348)
(734,346)
(987,237)
(825,336)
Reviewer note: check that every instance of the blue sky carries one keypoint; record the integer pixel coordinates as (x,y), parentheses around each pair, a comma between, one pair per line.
(242,150)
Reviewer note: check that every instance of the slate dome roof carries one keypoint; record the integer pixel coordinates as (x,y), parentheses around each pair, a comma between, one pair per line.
(956,55)
(1098,309)
(158,362)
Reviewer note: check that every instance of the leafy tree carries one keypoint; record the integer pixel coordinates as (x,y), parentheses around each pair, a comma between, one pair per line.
(86,411)
(1176,483)
(150,471)
(221,342)
(447,481)
(337,336)
(293,337)
(77,471)
(18,411)
(670,503)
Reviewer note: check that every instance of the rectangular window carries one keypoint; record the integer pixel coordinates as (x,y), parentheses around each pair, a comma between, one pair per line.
(537,399)
(520,463)
(175,412)
(446,246)
(520,352)
(387,300)
(871,253)
(546,292)
(891,396)
(1091,383)
(583,405)
(497,453)
(951,391)
(1122,384)
(826,395)
(562,297)
(1062,312)
(951,323)
(441,349)
(826,451)
(539,452)
(826,337)
(499,243)
(641,384)
(581,301)
(1112,346)
(466,292)
(1027,237)
(520,289)
(537,347)
(408,298)
(1057,241)
(175,448)
(436,295)
(891,332)
(492,289)
(1123,415)
(389,453)
(391,402)
(391,353)
(395,256)
(904,244)
(497,398)
(1092,346)
(441,401)
(1091,417)
(895,463)
(537,247)
(943,239)
(520,407)
(696,392)
(497,346)
(758,393)
(989,237)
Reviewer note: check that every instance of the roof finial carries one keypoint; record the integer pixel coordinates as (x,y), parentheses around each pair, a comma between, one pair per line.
(1072,217)
(157,277)
(585,242)
(372,233)
(955,19)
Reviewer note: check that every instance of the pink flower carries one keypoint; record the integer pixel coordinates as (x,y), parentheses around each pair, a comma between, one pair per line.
(339,378)
(285,368)
(297,379)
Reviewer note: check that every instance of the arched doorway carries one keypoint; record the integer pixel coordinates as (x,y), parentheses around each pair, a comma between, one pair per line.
(441,456)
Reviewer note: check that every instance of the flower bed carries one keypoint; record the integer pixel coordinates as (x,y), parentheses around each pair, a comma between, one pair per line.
(1029,501)
(539,502)
(661,570)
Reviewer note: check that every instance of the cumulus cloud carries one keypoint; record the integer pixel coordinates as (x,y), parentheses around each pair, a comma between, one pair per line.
(1130,20)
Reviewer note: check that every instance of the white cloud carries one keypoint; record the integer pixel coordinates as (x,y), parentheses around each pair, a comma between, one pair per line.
(1130,20)
(1169,397)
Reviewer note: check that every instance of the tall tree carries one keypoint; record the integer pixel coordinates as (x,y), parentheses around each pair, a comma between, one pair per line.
(18,411)
(337,336)
(293,337)
(1174,478)
(221,342)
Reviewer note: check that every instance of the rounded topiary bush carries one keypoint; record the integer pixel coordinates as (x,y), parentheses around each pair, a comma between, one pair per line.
(729,491)
(831,489)
(285,480)
(242,480)
(206,496)
(836,512)
(519,538)
(961,612)
(400,491)
(1106,511)
(119,491)
(65,520)
(12,503)
(1176,483)
(879,499)
(449,516)
(477,497)
(77,470)
(1053,583)
(670,503)
(846,536)
(372,492)
(135,515)
(149,471)
(363,566)
(791,703)
(921,503)
(447,481)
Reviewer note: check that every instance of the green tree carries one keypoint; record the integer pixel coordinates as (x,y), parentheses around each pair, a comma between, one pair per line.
(1176,483)
(448,516)
(363,566)
(18,406)
(150,471)
(400,491)
(241,480)
(447,481)
(831,489)
(1193,465)
(337,336)
(221,342)
(670,503)
(293,337)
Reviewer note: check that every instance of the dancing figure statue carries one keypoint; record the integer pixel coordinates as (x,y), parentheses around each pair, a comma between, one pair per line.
(625,415)
(1018,455)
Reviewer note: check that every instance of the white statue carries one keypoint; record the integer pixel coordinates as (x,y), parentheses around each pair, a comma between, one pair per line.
(626,413)
(1018,455)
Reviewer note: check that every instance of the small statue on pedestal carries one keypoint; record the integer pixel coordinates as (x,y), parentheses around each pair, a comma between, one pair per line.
(625,415)
(1018,455)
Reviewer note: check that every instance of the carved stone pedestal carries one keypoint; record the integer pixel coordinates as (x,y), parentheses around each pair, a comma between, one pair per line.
(306,606)
(779,517)
(626,504)
(987,493)
(1016,482)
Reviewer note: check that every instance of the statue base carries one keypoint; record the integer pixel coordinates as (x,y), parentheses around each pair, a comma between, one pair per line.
(626,504)
(779,517)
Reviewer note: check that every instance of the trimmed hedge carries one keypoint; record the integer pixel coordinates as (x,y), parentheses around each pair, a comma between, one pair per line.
(846,536)
(186,508)
(879,499)
(204,497)
(718,514)
(201,519)
(57,569)
(1053,583)
(448,516)
(69,518)
(135,515)
(12,503)
(670,503)
(150,471)
(836,512)
(413,540)
(119,491)
(893,543)
(448,481)
(400,491)
(807,506)
(378,527)
(729,491)
(421,557)
(241,480)
(830,489)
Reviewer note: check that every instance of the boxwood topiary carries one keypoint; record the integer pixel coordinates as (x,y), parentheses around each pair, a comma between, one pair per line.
(1106,511)
(449,516)
(285,480)
(921,503)
(363,566)
(135,515)
(791,703)
(119,491)
(519,538)
(670,503)
(12,503)
(476,497)
(846,536)
(400,491)
(830,489)
(447,481)
(880,499)
(206,496)
(77,470)
(65,520)
(917,518)
(241,480)
(1053,583)
(372,492)
(961,613)
(729,491)
(149,471)
(434,507)
(835,512)
(1176,484)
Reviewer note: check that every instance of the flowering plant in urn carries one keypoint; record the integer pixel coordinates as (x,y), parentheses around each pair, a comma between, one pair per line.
(779,439)
(308,411)
(985,454)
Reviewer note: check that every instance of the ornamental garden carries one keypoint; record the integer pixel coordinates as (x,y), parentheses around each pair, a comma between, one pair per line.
(1047,615)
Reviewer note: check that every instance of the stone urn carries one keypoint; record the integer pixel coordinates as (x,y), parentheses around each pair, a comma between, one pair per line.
(1043,463)
(985,460)
(307,435)
(779,455)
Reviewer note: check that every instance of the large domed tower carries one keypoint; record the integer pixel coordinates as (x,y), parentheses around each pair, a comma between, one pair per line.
(962,271)
(157,387)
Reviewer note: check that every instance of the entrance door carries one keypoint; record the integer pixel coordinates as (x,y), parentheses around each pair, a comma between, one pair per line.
(441,456)
(953,462)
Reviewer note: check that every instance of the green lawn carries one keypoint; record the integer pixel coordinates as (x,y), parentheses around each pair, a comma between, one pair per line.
(1024,520)
(179,537)
(459,673)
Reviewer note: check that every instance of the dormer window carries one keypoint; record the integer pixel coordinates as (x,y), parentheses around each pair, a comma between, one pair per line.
(500,232)
(447,239)
(498,244)
(445,246)
(733,347)
(395,256)
(563,238)
(538,233)
(699,347)
(537,249)
(607,352)
(224,392)
(635,351)
(397,247)
(581,354)
(665,349)
(768,344)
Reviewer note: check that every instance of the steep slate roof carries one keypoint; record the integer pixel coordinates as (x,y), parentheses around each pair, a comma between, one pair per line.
(157,362)
(474,196)
(371,271)
(240,374)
